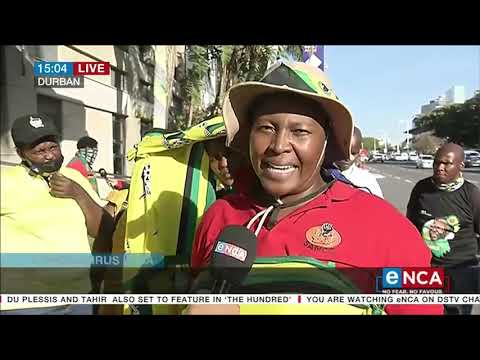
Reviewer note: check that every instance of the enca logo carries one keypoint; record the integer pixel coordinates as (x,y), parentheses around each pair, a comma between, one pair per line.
(231,250)
(412,278)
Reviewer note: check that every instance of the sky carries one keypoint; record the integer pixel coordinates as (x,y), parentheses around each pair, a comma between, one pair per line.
(385,86)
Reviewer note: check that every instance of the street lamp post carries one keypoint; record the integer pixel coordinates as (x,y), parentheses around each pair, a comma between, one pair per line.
(407,128)
(385,142)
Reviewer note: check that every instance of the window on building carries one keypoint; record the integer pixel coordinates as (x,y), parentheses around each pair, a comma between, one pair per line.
(119,79)
(52,108)
(146,91)
(119,156)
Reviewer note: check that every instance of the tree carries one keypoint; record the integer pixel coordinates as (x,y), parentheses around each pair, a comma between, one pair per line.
(197,70)
(371,143)
(231,64)
(459,123)
(427,143)
(246,63)
(290,52)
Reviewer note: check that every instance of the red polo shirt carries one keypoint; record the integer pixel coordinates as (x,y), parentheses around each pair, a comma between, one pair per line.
(368,233)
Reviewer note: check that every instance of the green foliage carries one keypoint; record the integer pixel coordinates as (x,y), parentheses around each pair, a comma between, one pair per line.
(457,123)
(427,144)
(234,64)
(197,57)
(291,52)
(368,143)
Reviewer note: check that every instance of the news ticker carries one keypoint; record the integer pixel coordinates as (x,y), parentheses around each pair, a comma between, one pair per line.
(319,280)
(231,299)
(62,74)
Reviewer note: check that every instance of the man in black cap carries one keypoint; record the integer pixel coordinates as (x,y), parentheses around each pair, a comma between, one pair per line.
(84,159)
(47,208)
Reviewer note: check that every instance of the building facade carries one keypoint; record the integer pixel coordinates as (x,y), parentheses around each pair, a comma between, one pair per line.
(455,95)
(114,109)
(438,103)
(424,133)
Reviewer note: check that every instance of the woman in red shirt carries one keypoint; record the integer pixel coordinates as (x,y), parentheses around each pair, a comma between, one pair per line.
(286,123)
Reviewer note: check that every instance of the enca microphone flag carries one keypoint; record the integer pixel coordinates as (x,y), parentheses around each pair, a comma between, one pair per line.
(314,55)
(232,258)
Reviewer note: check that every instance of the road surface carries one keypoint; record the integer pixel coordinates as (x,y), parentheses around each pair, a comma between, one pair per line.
(397,180)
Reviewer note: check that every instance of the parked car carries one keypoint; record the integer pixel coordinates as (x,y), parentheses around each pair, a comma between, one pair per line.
(472,152)
(413,156)
(472,158)
(378,158)
(424,162)
(401,157)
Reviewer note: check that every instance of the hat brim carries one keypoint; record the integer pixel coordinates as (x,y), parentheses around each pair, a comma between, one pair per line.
(240,98)
(36,138)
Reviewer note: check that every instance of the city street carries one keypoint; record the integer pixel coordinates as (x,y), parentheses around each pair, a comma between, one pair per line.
(397,179)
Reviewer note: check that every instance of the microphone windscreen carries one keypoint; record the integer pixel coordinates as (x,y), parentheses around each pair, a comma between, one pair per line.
(233,254)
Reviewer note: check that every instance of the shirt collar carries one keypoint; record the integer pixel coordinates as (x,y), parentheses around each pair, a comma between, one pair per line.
(337,192)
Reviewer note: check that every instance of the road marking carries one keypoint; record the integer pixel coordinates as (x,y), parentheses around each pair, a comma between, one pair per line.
(398,177)
(408,181)
(377,176)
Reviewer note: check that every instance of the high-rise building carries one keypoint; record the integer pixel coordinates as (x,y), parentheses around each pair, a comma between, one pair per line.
(455,95)
(433,104)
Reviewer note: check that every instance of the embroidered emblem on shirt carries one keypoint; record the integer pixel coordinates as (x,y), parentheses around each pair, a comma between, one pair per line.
(322,237)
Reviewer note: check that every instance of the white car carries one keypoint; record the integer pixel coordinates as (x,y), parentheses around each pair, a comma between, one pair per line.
(413,156)
(425,162)
(472,158)
(401,157)
(378,157)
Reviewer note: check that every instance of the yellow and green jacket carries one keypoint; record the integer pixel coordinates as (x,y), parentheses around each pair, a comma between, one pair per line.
(171,187)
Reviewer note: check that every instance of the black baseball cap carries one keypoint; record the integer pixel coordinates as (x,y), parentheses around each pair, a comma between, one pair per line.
(28,129)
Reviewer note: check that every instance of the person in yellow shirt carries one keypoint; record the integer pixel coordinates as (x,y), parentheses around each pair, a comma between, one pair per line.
(47,209)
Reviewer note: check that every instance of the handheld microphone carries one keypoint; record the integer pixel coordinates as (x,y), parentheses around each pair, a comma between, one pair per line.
(232,258)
